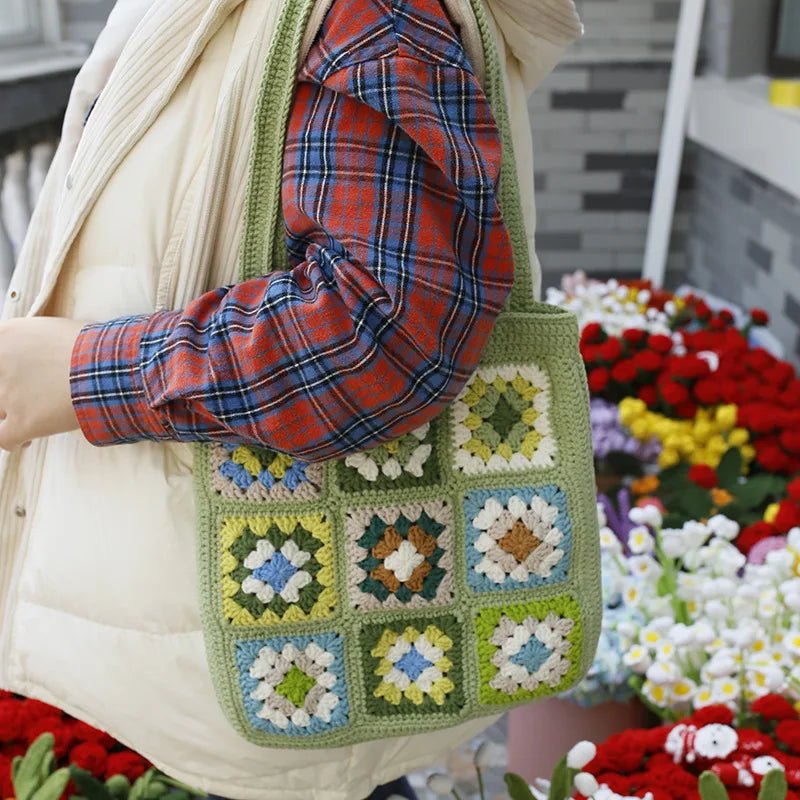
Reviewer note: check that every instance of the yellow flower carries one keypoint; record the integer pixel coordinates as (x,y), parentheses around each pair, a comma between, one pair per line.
(668,458)
(726,416)
(771,512)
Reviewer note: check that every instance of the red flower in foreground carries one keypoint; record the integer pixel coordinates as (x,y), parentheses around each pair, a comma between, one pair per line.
(703,475)
(759,316)
(711,715)
(774,707)
(788,731)
(129,764)
(89,756)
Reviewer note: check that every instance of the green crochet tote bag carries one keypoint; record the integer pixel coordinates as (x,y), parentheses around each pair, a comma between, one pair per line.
(452,573)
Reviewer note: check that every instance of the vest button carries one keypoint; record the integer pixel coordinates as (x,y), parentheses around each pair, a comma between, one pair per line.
(20,511)
(13,295)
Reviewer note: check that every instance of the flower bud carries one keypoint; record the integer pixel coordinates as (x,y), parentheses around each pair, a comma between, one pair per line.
(580,755)
(586,784)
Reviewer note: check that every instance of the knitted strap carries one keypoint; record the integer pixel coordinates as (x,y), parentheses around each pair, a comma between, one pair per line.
(263,239)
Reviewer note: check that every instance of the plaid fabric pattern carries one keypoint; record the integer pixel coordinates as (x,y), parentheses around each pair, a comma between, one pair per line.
(399,264)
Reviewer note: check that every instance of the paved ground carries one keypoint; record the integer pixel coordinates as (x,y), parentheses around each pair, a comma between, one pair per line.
(460,767)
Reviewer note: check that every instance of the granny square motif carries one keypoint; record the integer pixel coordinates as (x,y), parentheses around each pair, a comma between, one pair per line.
(449,574)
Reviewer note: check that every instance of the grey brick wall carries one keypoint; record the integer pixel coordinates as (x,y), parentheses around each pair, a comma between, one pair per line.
(597,125)
(83,19)
(744,246)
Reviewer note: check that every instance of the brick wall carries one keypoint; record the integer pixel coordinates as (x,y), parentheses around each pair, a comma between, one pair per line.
(743,244)
(597,127)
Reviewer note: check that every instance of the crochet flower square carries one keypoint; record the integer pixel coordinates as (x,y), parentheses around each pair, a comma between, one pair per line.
(518,537)
(276,569)
(253,473)
(400,556)
(410,460)
(527,650)
(413,666)
(501,421)
(294,686)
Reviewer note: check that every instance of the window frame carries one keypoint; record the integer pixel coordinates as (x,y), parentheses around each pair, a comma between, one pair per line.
(42,26)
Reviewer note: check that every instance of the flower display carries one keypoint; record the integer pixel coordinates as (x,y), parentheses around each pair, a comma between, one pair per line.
(74,745)
(710,754)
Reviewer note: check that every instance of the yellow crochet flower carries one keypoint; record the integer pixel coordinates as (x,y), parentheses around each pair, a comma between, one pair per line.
(413,665)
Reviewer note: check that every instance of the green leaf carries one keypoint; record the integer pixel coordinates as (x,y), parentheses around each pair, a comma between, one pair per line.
(730,468)
(774,786)
(88,785)
(711,787)
(696,501)
(54,786)
(118,787)
(518,788)
(28,777)
(142,786)
(561,782)
(754,491)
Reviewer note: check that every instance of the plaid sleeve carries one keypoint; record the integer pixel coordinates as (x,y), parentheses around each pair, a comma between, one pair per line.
(399,264)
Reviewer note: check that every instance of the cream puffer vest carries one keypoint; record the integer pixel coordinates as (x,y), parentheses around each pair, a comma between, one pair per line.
(99,608)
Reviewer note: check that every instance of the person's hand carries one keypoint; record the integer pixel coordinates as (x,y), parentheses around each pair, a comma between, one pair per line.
(35,400)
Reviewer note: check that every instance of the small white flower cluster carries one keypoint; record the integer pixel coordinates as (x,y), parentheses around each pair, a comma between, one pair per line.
(699,624)
(615,306)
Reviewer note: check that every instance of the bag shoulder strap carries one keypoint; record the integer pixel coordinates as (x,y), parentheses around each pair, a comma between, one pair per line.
(263,249)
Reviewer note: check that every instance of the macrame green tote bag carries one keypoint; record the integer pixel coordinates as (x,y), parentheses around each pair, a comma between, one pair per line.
(450,574)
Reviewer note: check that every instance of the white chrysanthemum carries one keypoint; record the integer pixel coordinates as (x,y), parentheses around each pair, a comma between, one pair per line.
(703,697)
(684,690)
(637,658)
(791,642)
(646,515)
(640,540)
(664,673)
(674,543)
(725,690)
(723,527)
(609,541)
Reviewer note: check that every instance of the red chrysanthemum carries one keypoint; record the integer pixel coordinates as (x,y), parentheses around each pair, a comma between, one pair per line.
(89,756)
(634,335)
(592,333)
(752,534)
(648,395)
(598,379)
(703,475)
(774,707)
(712,715)
(788,732)
(648,361)
(610,350)
(624,371)
(129,764)
(673,393)
(659,342)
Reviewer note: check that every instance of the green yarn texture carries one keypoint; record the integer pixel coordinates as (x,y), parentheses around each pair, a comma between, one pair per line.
(449,575)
